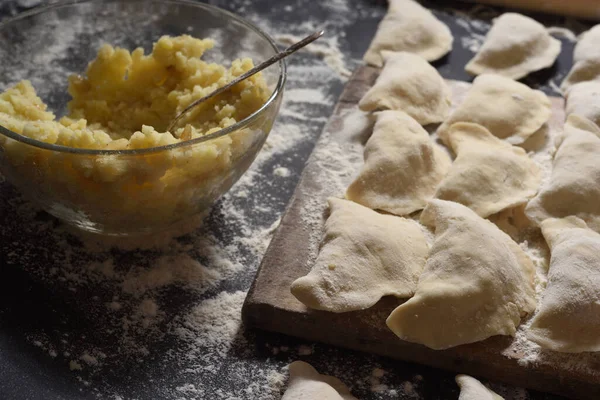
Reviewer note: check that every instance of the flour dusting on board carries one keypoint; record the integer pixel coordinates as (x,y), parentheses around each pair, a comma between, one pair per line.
(338,158)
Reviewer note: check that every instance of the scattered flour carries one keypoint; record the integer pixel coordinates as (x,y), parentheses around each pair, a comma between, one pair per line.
(282,171)
(181,286)
(75,366)
(474,33)
(28,3)
(305,350)
(329,51)
(212,324)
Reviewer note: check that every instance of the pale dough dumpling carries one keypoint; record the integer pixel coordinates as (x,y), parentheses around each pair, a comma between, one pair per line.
(477,282)
(515,46)
(307,384)
(408,83)
(363,257)
(587,45)
(569,315)
(586,59)
(402,166)
(583,71)
(488,175)
(574,185)
(408,26)
(583,99)
(508,109)
(472,389)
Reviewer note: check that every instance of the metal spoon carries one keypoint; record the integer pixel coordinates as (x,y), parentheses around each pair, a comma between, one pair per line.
(282,54)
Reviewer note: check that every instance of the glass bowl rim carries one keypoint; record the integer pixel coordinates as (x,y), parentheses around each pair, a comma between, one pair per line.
(222,132)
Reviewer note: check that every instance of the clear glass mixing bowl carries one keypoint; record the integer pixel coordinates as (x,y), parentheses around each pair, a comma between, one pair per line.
(132,191)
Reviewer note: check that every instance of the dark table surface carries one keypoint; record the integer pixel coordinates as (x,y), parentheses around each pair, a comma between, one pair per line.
(52,313)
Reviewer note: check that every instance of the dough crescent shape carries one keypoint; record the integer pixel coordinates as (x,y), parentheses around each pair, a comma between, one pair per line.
(477,283)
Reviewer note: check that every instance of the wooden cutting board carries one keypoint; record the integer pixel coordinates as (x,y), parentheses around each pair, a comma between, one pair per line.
(270,305)
(588,9)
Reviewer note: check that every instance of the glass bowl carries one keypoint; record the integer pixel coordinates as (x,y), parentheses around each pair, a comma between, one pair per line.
(127,192)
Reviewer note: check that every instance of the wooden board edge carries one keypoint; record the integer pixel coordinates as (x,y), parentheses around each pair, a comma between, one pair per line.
(363,75)
(263,316)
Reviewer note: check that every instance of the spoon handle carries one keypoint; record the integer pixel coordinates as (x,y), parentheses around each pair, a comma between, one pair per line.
(282,54)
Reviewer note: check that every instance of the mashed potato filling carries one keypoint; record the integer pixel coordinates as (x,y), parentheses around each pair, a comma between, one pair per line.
(126,100)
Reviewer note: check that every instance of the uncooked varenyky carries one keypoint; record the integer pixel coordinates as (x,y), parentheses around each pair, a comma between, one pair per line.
(583,99)
(307,384)
(472,389)
(364,256)
(586,59)
(508,109)
(569,315)
(515,46)
(408,26)
(574,185)
(477,282)
(410,84)
(402,166)
(488,175)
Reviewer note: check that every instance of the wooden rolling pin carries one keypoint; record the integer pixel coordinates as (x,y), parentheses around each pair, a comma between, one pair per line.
(588,9)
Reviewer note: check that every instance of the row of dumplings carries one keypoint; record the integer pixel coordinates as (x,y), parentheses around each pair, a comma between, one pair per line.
(306,383)
(475,281)
(514,47)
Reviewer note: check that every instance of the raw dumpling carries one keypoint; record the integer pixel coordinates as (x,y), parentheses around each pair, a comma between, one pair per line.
(408,26)
(583,71)
(472,389)
(408,83)
(508,109)
(402,166)
(574,186)
(587,45)
(586,59)
(488,174)
(477,282)
(307,384)
(569,316)
(583,99)
(515,46)
(364,256)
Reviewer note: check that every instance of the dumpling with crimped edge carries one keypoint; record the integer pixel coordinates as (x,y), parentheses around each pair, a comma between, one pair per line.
(515,46)
(569,316)
(586,59)
(583,71)
(408,26)
(508,109)
(587,45)
(402,166)
(363,257)
(583,99)
(574,185)
(488,175)
(477,282)
(472,389)
(410,84)
(307,384)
